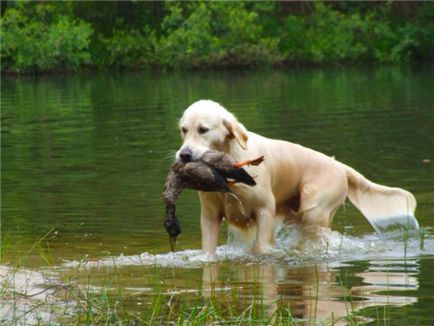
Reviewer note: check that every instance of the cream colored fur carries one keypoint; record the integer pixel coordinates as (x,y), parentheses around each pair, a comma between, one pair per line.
(295,184)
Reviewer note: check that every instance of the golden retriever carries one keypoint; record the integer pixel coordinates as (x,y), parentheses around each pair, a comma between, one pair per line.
(294,184)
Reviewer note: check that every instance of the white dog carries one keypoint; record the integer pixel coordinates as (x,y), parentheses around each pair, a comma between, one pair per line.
(294,184)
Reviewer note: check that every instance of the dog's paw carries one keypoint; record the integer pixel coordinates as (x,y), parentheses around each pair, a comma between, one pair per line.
(261,248)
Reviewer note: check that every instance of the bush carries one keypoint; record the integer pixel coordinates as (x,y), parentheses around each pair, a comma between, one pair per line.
(331,36)
(417,37)
(326,35)
(29,44)
(127,49)
(214,33)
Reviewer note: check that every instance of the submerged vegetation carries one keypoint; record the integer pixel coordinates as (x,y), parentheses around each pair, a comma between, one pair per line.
(52,36)
(71,303)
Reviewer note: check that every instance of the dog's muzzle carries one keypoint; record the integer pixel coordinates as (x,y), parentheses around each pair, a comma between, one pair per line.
(186,155)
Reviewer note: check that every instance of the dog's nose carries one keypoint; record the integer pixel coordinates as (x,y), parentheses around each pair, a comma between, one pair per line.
(186,155)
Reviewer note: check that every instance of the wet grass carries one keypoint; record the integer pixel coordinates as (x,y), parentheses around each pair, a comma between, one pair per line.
(76,304)
(72,302)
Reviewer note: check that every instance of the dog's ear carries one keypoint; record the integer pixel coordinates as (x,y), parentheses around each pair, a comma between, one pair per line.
(237,131)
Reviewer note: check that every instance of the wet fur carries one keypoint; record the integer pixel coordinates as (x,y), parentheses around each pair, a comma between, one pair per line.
(295,184)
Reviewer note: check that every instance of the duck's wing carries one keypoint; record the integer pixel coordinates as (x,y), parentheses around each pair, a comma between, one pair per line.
(225,167)
(197,171)
(201,177)
(240,175)
(217,160)
(211,156)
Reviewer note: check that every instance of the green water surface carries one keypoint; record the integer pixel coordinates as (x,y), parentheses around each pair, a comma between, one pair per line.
(85,156)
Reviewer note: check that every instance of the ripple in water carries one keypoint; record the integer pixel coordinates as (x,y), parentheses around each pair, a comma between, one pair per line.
(294,247)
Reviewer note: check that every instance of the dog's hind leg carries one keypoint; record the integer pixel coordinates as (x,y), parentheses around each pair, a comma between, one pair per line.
(320,199)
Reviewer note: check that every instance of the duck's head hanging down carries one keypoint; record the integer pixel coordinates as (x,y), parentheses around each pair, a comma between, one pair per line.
(215,171)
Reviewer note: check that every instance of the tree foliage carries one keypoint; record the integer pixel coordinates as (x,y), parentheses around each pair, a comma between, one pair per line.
(216,33)
(43,39)
(46,36)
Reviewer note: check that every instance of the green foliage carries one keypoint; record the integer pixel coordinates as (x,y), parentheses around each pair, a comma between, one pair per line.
(127,49)
(332,36)
(37,42)
(44,36)
(214,33)
(328,35)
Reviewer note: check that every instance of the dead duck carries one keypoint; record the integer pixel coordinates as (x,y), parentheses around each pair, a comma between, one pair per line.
(227,168)
(215,171)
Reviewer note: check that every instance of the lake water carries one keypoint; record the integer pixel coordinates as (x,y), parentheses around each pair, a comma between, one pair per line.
(84,159)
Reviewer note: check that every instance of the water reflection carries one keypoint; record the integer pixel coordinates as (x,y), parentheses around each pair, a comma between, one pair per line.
(318,292)
(323,292)
(326,278)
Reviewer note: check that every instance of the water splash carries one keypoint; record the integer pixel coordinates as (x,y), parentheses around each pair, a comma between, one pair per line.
(404,223)
(294,247)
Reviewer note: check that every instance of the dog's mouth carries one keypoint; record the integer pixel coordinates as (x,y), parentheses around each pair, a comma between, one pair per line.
(187,154)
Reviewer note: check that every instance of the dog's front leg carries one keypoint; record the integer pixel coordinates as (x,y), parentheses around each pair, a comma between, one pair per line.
(210,233)
(210,221)
(265,225)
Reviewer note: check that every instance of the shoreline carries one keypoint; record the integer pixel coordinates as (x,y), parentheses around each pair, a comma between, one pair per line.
(215,68)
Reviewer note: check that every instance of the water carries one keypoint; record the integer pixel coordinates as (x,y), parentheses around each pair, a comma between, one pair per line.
(84,159)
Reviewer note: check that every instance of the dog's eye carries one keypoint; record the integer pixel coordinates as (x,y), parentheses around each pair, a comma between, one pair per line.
(184,130)
(202,130)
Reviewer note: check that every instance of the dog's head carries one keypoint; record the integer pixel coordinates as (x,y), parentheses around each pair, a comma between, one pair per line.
(207,125)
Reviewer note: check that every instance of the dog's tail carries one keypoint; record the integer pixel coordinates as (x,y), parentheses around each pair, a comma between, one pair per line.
(384,207)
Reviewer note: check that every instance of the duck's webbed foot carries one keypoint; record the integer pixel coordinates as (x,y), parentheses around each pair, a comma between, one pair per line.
(255,162)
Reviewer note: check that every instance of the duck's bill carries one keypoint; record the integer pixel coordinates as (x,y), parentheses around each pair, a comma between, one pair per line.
(172,242)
